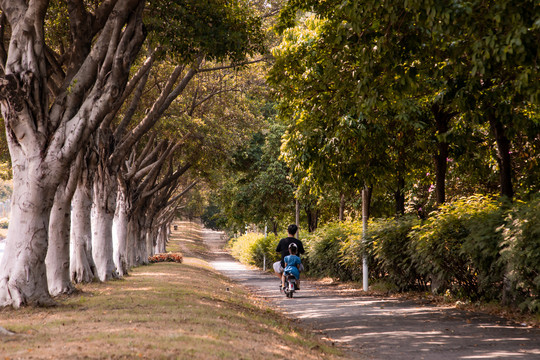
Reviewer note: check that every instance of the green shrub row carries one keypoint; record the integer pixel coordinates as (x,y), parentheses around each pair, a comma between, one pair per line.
(476,248)
(253,248)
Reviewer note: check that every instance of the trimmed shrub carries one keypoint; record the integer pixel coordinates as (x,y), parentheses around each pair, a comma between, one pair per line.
(393,251)
(353,250)
(521,254)
(324,249)
(251,249)
(388,250)
(458,247)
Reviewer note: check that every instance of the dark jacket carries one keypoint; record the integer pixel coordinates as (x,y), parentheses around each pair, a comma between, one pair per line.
(283,247)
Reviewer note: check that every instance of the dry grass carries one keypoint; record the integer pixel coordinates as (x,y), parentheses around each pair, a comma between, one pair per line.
(160,311)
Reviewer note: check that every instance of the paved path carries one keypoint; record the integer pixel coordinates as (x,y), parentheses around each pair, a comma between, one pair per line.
(386,328)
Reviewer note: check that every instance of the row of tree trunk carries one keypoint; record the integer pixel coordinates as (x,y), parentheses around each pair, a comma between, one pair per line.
(92,195)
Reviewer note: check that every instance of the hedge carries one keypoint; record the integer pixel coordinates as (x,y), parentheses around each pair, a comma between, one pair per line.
(476,248)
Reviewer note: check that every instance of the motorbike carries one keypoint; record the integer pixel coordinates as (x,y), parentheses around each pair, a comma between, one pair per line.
(290,285)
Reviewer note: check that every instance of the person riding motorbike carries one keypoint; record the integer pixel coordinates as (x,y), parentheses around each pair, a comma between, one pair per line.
(283,248)
(292,266)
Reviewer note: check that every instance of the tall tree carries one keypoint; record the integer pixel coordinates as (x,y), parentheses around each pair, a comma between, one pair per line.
(51,103)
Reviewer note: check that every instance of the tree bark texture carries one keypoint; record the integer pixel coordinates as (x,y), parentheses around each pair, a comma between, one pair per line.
(57,260)
(104,207)
(120,233)
(442,120)
(82,267)
(504,159)
(342,207)
(23,279)
(49,117)
(399,196)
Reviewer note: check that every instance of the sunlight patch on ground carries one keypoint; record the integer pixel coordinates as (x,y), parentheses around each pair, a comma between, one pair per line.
(140,289)
(227,266)
(501,355)
(153,274)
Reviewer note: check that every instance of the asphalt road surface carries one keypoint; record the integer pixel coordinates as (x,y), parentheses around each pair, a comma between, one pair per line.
(385,328)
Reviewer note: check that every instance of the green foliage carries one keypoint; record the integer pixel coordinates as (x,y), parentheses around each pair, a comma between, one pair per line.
(4,223)
(258,190)
(323,256)
(521,253)
(477,248)
(357,85)
(212,218)
(217,29)
(393,252)
(252,248)
(458,247)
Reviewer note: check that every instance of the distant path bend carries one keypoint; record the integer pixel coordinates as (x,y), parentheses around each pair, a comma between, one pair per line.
(385,328)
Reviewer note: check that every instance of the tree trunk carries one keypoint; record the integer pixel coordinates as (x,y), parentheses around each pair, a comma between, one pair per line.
(23,274)
(504,158)
(43,137)
(399,196)
(150,243)
(342,207)
(442,119)
(120,233)
(142,253)
(57,259)
(132,242)
(82,267)
(161,240)
(104,207)
(312,217)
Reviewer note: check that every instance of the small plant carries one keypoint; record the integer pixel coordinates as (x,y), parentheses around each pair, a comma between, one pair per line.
(168,257)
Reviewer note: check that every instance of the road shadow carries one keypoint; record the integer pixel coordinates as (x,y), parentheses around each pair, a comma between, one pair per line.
(372,327)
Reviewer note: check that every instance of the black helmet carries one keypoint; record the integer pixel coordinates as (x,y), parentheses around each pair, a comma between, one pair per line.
(293,248)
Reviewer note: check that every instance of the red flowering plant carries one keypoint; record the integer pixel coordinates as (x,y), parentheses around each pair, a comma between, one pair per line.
(168,257)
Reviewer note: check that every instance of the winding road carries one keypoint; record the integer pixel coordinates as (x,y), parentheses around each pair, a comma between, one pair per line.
(385,328)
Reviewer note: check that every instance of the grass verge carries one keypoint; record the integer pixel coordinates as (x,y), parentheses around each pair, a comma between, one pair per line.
(160,311)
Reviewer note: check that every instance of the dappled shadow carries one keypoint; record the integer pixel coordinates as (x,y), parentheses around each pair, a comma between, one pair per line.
(389,328)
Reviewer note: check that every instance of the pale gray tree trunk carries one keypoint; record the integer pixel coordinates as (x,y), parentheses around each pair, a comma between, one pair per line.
(120,233)
(132,242)
(82,267)
(57,260)
(104,207)
(161,241)
(23,275)
(49,115)
(149,239)
(141,257)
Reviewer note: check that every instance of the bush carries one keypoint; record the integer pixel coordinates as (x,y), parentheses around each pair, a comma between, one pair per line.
(324,249)
(4,223)
(251,249)
(521,254)
(458,247)
(393,251)
(353,250)
(388,250)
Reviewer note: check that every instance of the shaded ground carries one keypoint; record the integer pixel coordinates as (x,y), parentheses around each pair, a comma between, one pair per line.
(160,311)
(385,328)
